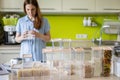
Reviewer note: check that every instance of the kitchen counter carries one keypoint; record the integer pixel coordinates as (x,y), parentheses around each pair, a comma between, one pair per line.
(76,43)
(9,48)
(73,43)
(6,77)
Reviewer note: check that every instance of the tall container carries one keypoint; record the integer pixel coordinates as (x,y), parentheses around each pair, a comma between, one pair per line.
(78,62)
(88,64)
(68,63)
(97,59)
(116,66)
(106,61)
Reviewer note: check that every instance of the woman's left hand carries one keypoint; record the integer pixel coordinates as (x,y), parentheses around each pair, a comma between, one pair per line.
(45,37)
(35,33)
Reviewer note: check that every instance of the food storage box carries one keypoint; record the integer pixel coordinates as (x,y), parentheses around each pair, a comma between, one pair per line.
(68,62)
(106,61)
(97,60)
(88,64)
(116,66)
(61,64)
(33,71)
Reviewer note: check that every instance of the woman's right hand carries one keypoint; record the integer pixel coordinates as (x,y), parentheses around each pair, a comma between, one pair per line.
(24,36)
(20,37)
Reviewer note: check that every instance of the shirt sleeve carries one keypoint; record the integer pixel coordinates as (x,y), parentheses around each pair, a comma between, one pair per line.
(18,29)
(47,26)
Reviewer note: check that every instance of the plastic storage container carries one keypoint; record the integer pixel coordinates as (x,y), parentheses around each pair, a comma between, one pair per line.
(67,61)
(97,59)
(88,64)
(106,61)
(102,58)
(116,66)
(78,60)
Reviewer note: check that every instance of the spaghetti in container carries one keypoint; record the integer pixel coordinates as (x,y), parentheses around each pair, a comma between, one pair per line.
(106,61)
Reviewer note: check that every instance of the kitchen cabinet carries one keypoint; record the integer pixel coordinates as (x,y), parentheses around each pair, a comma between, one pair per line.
(64,6)
(11,5)
(78,6)
(107,5)
(50,5)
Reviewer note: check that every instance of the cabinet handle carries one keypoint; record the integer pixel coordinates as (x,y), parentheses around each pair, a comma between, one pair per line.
(48,8)
(110,9)
(78,9)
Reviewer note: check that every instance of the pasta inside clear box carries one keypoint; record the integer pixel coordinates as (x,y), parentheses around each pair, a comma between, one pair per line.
(62,64)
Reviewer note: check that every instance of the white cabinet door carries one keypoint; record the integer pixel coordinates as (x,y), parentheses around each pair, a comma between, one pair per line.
(11,5)
(108,5)
(78,5)
(50,5)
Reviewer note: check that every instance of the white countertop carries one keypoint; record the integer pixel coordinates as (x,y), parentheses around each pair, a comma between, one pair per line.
(9,48)
(6,77)
(74,43)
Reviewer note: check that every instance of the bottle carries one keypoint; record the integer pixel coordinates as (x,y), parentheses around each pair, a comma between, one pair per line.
(89,21)
(85,21)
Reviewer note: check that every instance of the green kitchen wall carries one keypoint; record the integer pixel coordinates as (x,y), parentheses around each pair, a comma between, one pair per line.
(67,26)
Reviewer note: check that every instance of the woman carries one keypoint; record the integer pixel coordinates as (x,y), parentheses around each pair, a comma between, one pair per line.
(32,31)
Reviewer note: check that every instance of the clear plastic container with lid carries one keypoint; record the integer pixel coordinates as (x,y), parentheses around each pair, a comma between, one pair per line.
(106,61)
(97,59)
(67,61)
(88,64)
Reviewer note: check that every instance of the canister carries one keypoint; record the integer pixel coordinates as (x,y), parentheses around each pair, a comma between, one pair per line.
(97,59)
(106,61)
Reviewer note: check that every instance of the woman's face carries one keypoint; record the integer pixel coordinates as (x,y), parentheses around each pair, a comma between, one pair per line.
(30,10)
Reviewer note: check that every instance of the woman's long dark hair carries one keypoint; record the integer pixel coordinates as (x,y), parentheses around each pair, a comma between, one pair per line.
(38,16)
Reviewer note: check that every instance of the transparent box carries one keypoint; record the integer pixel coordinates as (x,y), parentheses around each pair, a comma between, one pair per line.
(97,59)
(62,64)
(116,66)
(88,64)
(106,61)
(69,62)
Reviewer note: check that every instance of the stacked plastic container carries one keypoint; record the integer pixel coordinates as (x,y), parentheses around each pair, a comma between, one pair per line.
(63,63)
(68,62)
